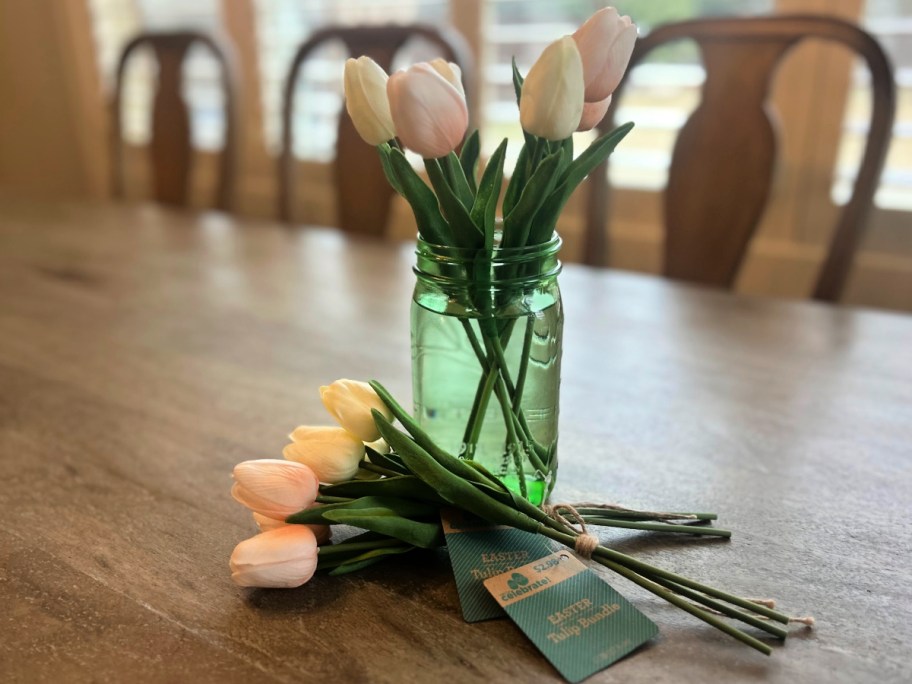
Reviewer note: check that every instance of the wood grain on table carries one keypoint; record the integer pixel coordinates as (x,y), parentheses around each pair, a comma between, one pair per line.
(144,352)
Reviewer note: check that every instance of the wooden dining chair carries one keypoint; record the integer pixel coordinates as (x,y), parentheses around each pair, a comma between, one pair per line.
(362,193)
(722,164)
(170,151)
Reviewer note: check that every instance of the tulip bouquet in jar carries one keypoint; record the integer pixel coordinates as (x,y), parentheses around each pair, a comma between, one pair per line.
(486,349)
(486,315)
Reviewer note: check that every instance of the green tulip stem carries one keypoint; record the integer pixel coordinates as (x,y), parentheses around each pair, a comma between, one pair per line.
(640,578)
(633,514)
(497,363)
(523,364)
(514,391)
(656,526)
(476,418)
(494,370)
(604,553)
(511,420)
(482,394)
(685,605)
(718,606)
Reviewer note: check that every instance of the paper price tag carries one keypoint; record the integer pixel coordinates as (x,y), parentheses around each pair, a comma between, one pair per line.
(478,551)
(572,616)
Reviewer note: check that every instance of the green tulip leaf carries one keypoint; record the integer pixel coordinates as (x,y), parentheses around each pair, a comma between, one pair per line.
(517,180)
(468,158)
(385,151)
(517,81)
(456,465)
(404,486)
(594,155)
(518,223)
(367,559)
(368,505)
(465,233)
(389,461)
(484,210)
(576,172)
(456,177)
(425,535)
(424,203)
(455,489)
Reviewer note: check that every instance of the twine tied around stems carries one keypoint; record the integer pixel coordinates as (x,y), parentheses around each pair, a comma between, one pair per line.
(586,542)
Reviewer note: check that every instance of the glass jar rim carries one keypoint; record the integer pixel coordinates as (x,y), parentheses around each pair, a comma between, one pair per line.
(503,268)
(497,256)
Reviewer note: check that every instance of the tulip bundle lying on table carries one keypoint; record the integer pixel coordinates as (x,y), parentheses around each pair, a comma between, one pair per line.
(487,320)
(401,479)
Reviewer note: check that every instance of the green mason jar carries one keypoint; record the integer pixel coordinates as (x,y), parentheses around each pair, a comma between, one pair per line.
(486,350)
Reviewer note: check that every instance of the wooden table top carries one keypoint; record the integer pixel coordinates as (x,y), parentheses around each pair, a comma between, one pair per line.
(144,352)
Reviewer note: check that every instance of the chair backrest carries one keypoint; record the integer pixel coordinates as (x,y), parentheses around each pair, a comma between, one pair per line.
(362,192)
(722,164)
(170,148)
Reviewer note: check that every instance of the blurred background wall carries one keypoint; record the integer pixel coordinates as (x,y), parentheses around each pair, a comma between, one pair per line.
(57,59)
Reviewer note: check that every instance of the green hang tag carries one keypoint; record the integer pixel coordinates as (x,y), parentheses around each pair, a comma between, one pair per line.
(571,615)
(478,551)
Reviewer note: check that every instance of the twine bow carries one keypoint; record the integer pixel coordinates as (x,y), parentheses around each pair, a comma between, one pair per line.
(586,542)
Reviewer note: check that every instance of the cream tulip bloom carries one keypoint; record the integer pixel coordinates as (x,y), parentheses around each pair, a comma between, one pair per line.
(366,100)
(282,558)
(450,71)
(274,488)
(593,113)
(551,103)
(429,112)
(605,44)
(332,453)
(350,403)
(380,446)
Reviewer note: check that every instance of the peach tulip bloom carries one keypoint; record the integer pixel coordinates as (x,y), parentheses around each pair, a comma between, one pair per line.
(593,113)
(366,100)
(605,43)
(551,103)
(282,558)
(333,453)
(429,112)
(275,488)
(350,401)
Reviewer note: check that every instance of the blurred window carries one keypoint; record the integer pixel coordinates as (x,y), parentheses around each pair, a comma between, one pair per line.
(891,22)
(663,90)
(283,25)
(116,21)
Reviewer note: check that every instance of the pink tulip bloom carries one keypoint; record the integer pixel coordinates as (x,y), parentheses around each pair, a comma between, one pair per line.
(429,112)
(605,43)
(275,488)
(282,558)
(593,113)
